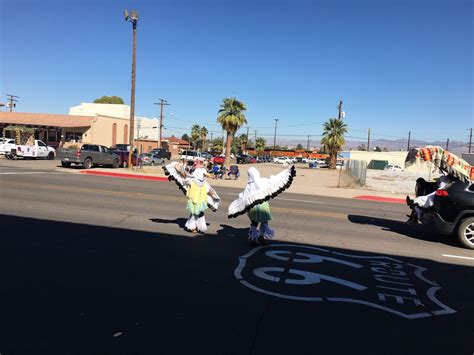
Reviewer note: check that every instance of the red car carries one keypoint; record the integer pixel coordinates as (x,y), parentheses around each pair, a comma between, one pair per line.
(123,156)
(218,160)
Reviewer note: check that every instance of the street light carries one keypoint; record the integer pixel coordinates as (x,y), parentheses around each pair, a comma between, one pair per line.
(275,136)
(133,18)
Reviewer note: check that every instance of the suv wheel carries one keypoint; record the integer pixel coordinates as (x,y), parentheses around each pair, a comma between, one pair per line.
(116,164)
(466,233)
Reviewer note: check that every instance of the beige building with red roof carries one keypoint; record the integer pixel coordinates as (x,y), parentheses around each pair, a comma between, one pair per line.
(55,130)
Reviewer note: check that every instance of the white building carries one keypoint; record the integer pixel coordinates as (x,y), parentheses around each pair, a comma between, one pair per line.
(148,127)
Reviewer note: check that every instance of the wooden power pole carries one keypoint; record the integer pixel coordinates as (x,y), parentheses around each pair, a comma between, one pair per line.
(161,103)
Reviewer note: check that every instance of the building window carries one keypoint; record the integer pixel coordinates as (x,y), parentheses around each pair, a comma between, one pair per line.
(74,137)
(125,134)
(114,134)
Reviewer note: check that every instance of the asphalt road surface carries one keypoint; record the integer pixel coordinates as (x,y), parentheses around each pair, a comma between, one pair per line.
(98,265)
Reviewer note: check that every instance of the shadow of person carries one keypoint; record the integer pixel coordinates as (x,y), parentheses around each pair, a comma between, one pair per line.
(181,222)
(417,231)
(229,231)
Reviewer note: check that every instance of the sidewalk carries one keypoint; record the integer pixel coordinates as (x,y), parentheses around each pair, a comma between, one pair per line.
(322,182)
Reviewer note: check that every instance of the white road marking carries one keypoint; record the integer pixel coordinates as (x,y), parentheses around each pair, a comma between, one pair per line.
(29,173)
(458,256)
(286,199)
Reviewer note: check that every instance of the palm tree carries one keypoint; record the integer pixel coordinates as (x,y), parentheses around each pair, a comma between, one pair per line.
(217,144)
(195,134)
(243,141)
(260,144)
(231,118)
(333,138)
(203,132)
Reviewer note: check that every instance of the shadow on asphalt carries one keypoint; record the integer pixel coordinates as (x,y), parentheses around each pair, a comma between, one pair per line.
(69,288)
(419,231)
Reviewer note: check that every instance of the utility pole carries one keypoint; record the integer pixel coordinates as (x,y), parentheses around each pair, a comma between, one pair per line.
(255,141)
(139,126)
(409,136)
(470,140)
(12,101)
(161,103)
(307,144)
(247,139)
(368,141)
(133,18)
(339,108)
(447,144)
(275,135)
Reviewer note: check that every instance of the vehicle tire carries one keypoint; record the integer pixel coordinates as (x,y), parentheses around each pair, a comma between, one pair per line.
(65,164)
(116,164)
(87,163)
(465,232)
(50,156)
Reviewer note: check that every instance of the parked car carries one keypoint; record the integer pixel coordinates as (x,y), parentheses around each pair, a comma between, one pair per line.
(151,159)
(191,155)
(282,160)
(206,155)
(243,159)
(6,145)
(123,157)
(393,167)
(453,210)
(232,156)
(161,153)
(88,155)
(36,150)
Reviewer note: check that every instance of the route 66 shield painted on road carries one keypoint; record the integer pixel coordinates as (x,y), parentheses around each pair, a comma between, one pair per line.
(312,274)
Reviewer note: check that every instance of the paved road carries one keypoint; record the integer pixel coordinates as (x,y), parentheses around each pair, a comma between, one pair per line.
(96,265)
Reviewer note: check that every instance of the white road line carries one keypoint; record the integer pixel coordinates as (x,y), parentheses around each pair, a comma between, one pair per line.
(286,199)
(458,256)
(29,173)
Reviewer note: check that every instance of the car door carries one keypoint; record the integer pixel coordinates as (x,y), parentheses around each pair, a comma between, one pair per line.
(107,156)
(42,150)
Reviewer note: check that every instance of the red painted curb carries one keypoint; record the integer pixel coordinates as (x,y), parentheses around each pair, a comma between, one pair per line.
(125,176)
(380,199)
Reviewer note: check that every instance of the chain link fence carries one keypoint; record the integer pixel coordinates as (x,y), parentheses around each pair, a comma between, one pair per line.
(355,172)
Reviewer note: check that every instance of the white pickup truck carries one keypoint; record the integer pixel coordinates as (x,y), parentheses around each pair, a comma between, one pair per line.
(6,145)
(36,150)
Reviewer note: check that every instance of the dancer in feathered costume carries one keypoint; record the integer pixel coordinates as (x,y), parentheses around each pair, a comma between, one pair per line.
(254,201)
(199,193)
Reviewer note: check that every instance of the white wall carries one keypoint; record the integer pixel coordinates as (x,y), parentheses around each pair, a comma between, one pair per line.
(91,109)
(395,157)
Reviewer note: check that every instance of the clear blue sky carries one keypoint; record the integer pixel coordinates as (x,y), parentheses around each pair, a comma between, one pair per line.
(398,65)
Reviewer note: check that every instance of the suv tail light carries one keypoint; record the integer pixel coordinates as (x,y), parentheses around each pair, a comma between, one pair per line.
(78,153)
(442,193)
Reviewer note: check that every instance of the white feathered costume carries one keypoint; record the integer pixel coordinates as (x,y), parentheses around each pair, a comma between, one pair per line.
(253,200)
(191,185)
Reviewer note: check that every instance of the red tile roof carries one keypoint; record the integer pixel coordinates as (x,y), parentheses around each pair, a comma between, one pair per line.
(45,119)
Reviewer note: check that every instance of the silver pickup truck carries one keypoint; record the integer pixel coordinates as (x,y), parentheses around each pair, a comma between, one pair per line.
(88,155)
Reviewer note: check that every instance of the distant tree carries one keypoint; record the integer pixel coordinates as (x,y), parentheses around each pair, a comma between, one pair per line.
(385,150)
(260,144)
(109,100)
(203,135)
(217,144)
(333,138)
(195,134)
(243,142)
(185,137)
(299,147)
(362,148)
(231,117)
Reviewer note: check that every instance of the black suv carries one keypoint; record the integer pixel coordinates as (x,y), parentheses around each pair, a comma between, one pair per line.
(161,153)
(453,209)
